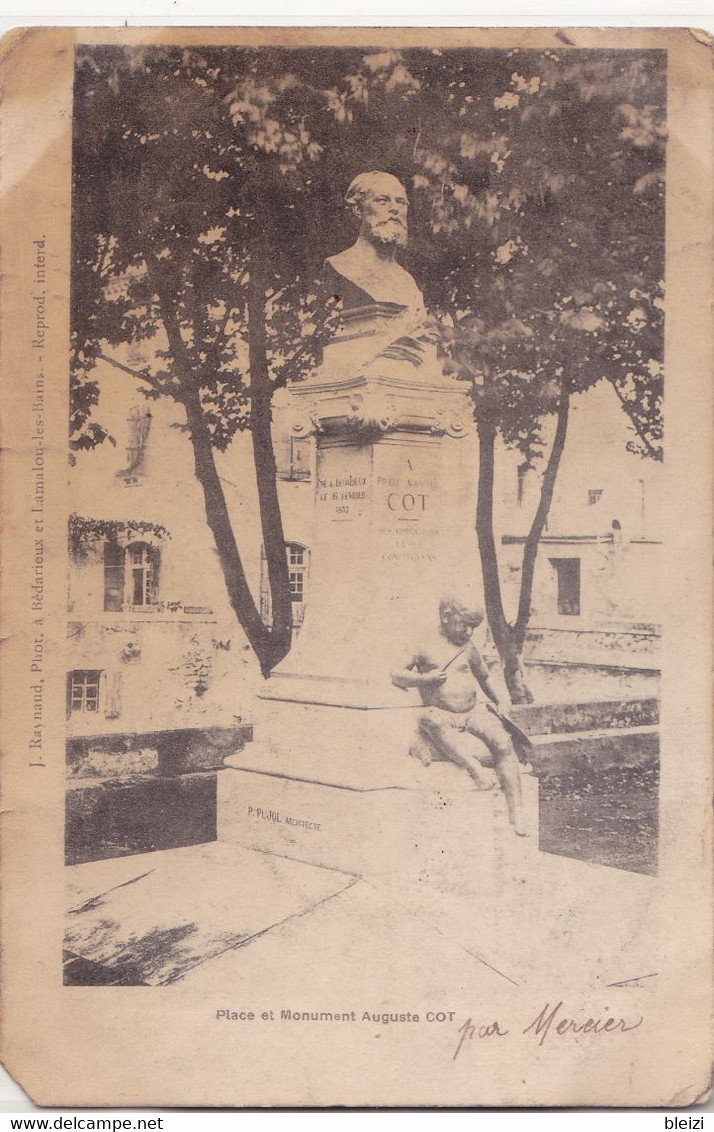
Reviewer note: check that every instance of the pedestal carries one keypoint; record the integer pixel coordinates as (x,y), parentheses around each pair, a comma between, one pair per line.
(394,514)
(329,779)
(345,794)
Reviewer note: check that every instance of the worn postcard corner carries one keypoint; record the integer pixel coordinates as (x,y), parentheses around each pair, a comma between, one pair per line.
(357,451)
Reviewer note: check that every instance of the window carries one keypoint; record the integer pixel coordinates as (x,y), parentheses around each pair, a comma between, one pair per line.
(300,458)
(139,423)
(521,470)
(567,572)
(298,566)
(141,564)
(83,690)
(295,458)
(130,576)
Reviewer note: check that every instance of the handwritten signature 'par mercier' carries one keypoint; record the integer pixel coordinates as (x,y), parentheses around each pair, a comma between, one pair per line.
(547,1020)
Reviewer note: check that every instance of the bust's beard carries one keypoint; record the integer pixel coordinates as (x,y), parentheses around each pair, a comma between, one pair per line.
(388,234)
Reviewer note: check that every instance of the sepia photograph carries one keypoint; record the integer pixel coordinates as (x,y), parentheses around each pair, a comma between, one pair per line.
(366,588)
(365,419)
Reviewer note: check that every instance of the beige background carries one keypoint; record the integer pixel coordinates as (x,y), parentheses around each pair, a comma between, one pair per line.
(160,1046)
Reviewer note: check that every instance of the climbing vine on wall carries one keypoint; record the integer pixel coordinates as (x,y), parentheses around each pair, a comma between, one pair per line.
(84,532)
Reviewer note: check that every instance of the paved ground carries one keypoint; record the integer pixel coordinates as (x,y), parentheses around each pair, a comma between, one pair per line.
(221,915)
(151,918)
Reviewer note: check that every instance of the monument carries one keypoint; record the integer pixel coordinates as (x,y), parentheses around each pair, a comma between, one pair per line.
(394,500)
(394,512)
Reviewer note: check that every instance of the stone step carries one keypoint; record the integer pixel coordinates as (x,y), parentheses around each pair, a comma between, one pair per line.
(564,736)
(586,751)
(316,790)
(547,719)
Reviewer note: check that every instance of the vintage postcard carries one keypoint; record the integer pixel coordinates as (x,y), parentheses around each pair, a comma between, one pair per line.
(357,475)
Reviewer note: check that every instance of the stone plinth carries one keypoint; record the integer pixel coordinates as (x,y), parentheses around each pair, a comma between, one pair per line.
(337,787)
(418,831)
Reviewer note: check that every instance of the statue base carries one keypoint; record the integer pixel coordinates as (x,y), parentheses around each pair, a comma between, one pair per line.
(393,526)
(337,787)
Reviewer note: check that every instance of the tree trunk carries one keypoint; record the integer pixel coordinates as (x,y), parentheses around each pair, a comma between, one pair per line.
(218,517)
(511,659)
(271,519)
(510,639)
(530,549)
(239,593)
(502,632)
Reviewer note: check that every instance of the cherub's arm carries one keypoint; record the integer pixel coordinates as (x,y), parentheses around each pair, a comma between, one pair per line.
(409,676)
(480,671)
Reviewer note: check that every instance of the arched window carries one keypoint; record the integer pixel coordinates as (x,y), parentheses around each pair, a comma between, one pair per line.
(131,576)
(142,562)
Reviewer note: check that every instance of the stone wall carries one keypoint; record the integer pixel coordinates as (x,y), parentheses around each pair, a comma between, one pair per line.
(136,793)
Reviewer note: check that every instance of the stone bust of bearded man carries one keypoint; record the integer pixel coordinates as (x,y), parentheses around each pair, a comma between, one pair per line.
(369,272)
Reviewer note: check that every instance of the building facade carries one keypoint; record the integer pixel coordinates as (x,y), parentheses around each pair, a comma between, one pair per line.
(153,642)
(598,576)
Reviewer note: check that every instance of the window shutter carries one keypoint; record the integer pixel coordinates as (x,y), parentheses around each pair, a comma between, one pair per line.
(113,695)
(113,577)
(152,581)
